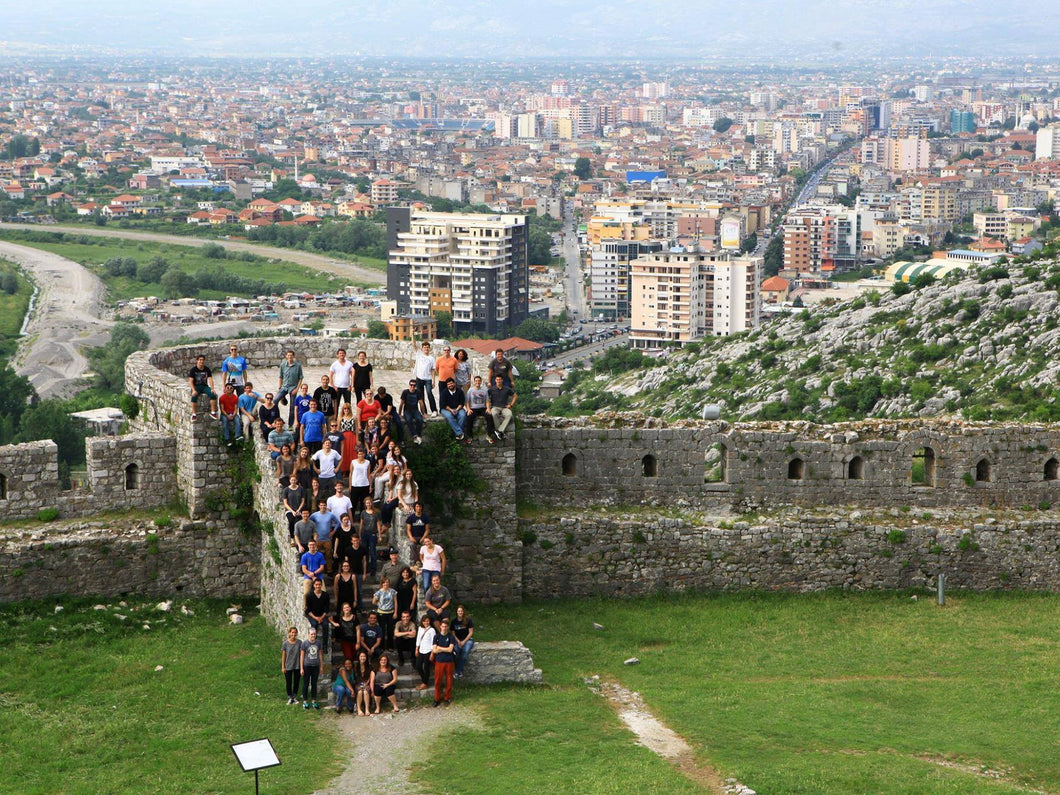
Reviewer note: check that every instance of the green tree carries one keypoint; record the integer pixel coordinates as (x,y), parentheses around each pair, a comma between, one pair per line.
(901,288)
(15,393)
(50,420)
(722,124)
(538,330)
(583,168)
(377,330)
(774,256)
(20,146)
(177,284)
(108,361)
(445,324)
(9,283)
(750,243)
(540,246)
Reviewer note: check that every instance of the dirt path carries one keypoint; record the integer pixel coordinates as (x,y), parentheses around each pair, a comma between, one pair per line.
(68,316)
(380,746)
(318,262)
(660,739)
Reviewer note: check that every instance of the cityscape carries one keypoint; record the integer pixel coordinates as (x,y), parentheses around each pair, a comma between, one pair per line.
(742,328)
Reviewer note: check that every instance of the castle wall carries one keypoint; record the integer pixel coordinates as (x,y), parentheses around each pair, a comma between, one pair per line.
(586,556)
(128,557)
(573,463)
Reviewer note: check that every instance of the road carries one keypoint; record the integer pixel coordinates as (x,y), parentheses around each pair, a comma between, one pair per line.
(573,278)
(67,317)
(590,351)
(355,273)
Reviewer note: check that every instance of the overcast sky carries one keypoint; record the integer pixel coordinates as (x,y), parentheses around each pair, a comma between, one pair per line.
(836,29)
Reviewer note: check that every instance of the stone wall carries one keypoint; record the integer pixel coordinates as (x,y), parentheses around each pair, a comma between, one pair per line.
(128,557)
(628,460)
(618,557)
(134,470)
(159,379)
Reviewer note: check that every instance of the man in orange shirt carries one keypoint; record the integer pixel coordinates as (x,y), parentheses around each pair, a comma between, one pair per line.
(445,366)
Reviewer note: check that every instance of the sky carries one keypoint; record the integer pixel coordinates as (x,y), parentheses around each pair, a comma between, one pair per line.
(502,29)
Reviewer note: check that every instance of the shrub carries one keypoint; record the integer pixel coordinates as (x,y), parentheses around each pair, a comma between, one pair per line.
(48,514)
(896,536)
(528,537)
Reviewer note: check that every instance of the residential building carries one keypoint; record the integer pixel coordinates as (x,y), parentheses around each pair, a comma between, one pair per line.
(474,266)
(609,263)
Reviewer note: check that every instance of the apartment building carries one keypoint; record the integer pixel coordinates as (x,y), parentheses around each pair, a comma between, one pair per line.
(474,266)
(683,294)
(609,267)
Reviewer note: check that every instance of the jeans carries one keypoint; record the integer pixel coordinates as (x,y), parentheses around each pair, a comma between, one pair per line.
(413,421)
(285,392)
(422,663)
(455,419)
(342,695)
(426,575)
(370,540)
(323,629)
(228,424)
(476,414)
(462,653)
(425,393)
(309,683)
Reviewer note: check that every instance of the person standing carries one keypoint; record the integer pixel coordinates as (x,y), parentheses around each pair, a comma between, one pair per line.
(341,371)
(360,483)
(312,654)
(417,527)
(291,377)
(290,664)
(411,415)
(501,399)
(234,368)
(423,370)
(437,601)
(200,381)
(424,648)
(268,413)
(463,631)
(385,602)
(327,397)
(317,607)
(311,427)
(369,531)
(313,566)
(432,558)
(444,650)
(363,381)
(463,370)
(345,626)
(326,462)
(499,366)
(300,404)
(294,502)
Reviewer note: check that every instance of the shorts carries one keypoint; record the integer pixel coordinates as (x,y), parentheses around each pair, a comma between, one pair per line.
(385,692)
(202,389)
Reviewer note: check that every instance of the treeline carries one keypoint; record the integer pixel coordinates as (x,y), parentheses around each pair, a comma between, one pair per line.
(359,237)
(177,283)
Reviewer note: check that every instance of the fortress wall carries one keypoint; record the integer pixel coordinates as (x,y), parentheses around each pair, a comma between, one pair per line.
(586,556)
(130,557)
(561,463)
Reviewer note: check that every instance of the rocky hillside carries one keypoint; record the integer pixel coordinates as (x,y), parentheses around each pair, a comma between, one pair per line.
(980,345)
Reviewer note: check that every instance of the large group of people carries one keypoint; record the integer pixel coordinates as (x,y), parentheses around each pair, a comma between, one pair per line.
(342,481)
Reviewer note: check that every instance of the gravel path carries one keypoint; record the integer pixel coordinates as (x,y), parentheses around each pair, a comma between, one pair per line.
(382,748)
(318,262)
(67,317)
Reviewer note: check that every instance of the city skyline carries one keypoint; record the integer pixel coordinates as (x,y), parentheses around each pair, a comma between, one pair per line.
(817,29)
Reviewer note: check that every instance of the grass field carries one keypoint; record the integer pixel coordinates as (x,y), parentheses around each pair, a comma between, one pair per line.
(83,710)
(827,693)
(13,307)
(188,258)
(873,693)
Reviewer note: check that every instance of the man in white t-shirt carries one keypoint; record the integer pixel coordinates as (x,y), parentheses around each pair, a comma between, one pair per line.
(326,462)
(339,504)
(341,377)
(423,370)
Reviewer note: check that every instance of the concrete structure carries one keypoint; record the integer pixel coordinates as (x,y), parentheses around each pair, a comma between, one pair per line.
(474,266)
(609,268)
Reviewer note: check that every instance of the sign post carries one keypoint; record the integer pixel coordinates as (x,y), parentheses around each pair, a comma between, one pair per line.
(255,755)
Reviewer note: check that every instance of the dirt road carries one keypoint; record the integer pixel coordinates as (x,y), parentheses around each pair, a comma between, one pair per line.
(355,273)
(68,316)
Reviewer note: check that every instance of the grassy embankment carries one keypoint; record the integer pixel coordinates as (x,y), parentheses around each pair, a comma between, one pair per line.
(827,693)
(93,252)
(13,308)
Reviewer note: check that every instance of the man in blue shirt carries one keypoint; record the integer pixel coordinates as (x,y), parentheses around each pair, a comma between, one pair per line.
(311,427)
(248,404)
(234,368)
(313,565)
(300,404)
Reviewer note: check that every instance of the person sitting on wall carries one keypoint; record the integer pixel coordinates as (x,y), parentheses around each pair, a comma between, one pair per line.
(313,566)
(411,415)
(370,636)
(477,401)
(452,400)
(501,399)
(231,426)
(278,438)
(248,406)
(268,413)
(200,380)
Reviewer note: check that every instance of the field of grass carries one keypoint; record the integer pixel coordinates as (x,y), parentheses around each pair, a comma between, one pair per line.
(832,693)
(13,307)
(83,710)
(827,693)
(186,257)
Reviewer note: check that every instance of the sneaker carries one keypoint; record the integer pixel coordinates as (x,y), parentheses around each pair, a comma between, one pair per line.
(316,705)
(501,436)
(448,701)
(457,676)
(289,701)
(240,438)
(305,705)
(460,437)
(437,703)
(194,416)
(214,414)
(418,440)
(229,444)
(283,400)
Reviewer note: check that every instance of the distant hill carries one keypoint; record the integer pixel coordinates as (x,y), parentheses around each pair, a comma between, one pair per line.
(979,345)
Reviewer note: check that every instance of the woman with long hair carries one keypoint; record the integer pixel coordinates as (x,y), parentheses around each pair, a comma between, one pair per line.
(369,529)
(362,673)
(345,586)
(303,470)
(345,625)
(344,687)
(348,429)
(284,465)
(384,684)
(463,629)
(462,374)
(424,645)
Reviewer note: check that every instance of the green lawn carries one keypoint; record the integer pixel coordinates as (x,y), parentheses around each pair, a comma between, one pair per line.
(186,257)
(82,709)
(824,693)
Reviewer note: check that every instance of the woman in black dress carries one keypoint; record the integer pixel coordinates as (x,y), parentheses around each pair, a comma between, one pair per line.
(407,591)
(345,586)
(362,376)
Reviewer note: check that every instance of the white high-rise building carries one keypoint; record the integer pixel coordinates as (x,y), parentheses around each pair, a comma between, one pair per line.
(1047,143)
